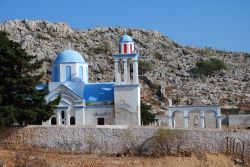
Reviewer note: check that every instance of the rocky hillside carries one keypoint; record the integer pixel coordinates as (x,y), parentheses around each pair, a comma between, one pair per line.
(170,76)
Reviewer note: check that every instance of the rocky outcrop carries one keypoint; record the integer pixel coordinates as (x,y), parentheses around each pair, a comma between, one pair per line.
(170,76)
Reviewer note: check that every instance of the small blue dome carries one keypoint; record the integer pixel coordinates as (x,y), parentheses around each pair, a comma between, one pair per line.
(69,56)
(126,38)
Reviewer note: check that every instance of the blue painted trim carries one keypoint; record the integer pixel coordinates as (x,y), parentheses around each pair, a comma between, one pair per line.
(79,106)
(61,107)
(100,106)
(126,55)
(130,85)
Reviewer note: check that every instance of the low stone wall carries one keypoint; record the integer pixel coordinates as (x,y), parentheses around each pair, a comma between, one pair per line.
(115,139)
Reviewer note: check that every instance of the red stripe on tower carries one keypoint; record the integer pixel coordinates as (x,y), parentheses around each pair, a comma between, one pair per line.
(125,48)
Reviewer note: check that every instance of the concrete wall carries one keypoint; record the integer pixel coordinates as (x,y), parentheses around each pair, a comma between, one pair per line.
(113,139)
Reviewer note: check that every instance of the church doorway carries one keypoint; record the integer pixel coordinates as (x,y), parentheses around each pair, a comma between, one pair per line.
(72,121)
(63,118)
(100,121)
(53,121)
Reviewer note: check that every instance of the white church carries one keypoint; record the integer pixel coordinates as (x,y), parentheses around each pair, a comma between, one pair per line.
(107,103)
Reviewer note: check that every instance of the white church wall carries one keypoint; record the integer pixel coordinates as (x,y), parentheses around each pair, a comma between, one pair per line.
(79,116)
(92,113)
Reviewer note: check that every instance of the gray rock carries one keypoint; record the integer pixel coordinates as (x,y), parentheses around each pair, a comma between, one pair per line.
(45,39)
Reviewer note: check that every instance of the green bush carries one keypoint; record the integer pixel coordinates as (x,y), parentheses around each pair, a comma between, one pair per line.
(146,116)
(158,56)
(144,67)
(208,67)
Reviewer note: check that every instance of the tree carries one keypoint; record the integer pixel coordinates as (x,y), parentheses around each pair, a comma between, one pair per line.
(208,67)
(144,67)
(20,101)
(146,116)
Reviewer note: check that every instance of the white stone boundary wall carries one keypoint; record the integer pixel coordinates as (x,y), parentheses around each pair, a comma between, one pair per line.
(115,139)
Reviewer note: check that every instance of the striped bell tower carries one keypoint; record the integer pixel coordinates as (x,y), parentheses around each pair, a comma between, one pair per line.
(127,87)
(126,61)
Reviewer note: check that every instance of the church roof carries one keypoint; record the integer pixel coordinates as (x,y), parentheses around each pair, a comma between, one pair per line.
(126,38)
(69,56)
(99,92)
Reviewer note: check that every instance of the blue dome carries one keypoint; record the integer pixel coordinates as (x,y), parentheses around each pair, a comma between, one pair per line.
(126,38)
(69,56)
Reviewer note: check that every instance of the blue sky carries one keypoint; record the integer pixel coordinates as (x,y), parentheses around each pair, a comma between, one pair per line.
(222,24)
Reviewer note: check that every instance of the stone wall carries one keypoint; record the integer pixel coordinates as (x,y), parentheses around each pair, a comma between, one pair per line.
(116,139)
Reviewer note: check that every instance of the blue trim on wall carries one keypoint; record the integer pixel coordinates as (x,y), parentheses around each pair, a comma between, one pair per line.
(126,55)
(130,85)
(62,107)
(79,106)
(100,106)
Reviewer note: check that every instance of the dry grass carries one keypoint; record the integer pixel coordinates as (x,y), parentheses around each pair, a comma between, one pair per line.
(35,159)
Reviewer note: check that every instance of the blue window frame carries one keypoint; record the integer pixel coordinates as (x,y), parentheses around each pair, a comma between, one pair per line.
(68,73)
(56,74)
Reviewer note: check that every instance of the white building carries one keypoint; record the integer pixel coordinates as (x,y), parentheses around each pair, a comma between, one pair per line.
(84,103)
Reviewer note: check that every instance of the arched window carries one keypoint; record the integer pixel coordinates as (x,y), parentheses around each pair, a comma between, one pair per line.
(131,48)
(196,119)
(119,48)
(125,48)
(72,121)
(62,114)
(55,74)
(81,73)
(53,121)
(68,73)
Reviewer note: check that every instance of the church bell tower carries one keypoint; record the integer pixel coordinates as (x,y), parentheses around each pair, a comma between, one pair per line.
(127,87)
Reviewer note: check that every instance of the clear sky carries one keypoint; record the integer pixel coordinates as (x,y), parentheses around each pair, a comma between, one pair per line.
(222,24)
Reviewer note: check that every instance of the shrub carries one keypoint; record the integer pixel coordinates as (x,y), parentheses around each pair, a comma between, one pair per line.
(144,67)
(208,67)
(167,140)
(146,116)
(128,142)
(158,56)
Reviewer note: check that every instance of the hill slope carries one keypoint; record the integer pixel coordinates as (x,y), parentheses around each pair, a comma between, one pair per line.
(171,63)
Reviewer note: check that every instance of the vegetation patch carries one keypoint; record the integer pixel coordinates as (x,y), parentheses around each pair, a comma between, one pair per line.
(146,116)
(144,67)
(208,67)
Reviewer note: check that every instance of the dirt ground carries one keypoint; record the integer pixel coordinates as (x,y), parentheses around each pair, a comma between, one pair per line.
(41,159)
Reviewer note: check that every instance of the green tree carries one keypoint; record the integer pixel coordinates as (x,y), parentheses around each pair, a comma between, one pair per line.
(20,101)
(208,67)
(144,67)
(146,116)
